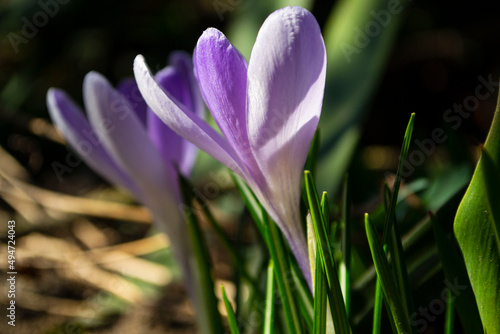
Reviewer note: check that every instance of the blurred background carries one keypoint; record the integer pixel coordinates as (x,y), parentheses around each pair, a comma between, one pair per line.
(426,57)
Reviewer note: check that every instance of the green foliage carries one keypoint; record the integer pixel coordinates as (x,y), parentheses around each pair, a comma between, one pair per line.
(476,229)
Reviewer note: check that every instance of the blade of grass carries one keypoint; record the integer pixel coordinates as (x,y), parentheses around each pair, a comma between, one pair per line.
(389,287)
(319,324)
(231,318)
(377,308)
(391,234)
(281,269)
(345,265)
(335,298)
(270,301)
(449,318)
(305,300)
(229,247)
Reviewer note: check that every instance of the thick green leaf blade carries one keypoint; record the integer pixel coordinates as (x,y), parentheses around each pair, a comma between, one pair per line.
(456,274)
(231,318)
(476,229)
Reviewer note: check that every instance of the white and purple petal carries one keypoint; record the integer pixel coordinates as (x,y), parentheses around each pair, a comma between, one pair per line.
(286,78)
(185,123)
(76,130)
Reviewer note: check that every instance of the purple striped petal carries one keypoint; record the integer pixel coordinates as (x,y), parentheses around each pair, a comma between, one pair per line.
(286,78)
(127,141)
(222,73)
(129,89)
(185,123)
(76,130)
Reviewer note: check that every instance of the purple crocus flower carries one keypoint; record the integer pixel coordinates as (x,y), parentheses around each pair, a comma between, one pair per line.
(267,110)
(126,143)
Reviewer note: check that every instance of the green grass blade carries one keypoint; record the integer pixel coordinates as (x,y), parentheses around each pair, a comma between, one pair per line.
(312,157)
(281,270)
(345,265)
(319,324)
(231,318)
(449,317)
(377,308)
(389,287)
(270,301)
(205,276)
(391,231)
(335,298)
(476,230)
(251,203)
(304,297)
(233,254)
(390,216)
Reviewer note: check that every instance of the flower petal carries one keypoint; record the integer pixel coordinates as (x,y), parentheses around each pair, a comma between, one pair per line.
(76,130)
(129,89)
(185,123)
(222,73)
(286,78)
(127,141)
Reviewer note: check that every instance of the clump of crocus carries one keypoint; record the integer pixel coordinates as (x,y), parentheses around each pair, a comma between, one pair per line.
(126,143)
(267,110)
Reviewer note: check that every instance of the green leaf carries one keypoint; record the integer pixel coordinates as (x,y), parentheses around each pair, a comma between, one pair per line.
(377,308)
(345,265)
(231,318)
(389,286)
(319,324)
(449,317)
(335,297)
(233,254)
(455,272)
(476,228)
(281,270)
(211,321)
(270,301)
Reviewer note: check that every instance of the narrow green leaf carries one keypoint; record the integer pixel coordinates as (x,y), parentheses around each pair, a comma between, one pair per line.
(449,317)
(391,231)
(335,298)
(345,265)
(319,324)
(377,308)
(312,157)
(205,281)
(231,318)
(233,254)
(390,215)
(270,301)
(389,287)
(281,269)
(476,229)
(304,297)
(251,203)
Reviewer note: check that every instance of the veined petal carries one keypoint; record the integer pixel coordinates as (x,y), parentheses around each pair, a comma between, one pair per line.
(76,130)
(286,78)
(169,144)
(222,73)
(129,89)
(185,123)
(183,63)
(127,141)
